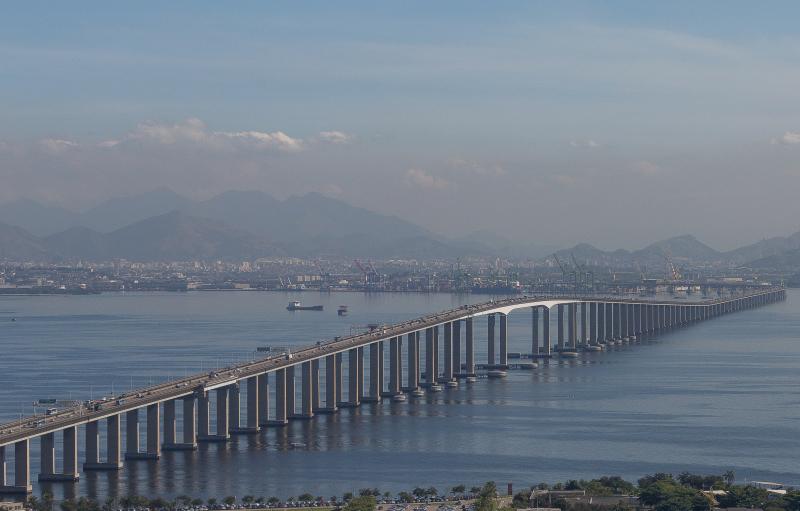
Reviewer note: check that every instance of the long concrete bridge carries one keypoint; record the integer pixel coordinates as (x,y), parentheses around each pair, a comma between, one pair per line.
(586,323)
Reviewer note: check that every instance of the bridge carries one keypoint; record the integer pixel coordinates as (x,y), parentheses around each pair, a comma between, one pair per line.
(582,323)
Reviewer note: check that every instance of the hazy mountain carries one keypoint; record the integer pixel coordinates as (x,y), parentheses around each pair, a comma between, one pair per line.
(764,249)
(786,261)
(36,218)
(17,244)
(177,236)
(679,248)
(301,218)
(78,243)
(121,211)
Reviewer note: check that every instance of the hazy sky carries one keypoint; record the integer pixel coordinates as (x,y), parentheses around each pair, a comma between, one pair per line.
(616,123)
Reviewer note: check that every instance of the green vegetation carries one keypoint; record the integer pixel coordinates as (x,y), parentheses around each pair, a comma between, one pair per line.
(656,492)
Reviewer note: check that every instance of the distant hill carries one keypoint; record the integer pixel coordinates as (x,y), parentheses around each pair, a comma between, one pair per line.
(765,249)
(78,243)
(679,248)
(37,219)
(788,261)
(17,244)
(119,212)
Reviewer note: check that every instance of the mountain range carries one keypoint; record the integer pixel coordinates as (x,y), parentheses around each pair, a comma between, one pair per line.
(162,225)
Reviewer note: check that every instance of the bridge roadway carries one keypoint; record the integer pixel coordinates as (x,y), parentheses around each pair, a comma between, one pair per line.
(602,321)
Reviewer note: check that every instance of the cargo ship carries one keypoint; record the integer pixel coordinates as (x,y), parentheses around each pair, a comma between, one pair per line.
(297,306)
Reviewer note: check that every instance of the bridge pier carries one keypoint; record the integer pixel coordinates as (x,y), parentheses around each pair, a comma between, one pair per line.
(234,409)
(281,411)
(223,415)
(152,434)
(457,367)
(412,382)
(375,372)
(331,385)
(560,327)
(534,332)
(258,403)
(315,400)
(306,391)
(503,362)
(447,373)
(170,426)
(395,367)
(47,467)
(22,469)
(291,393)
(572,327)
(469,346)
(431,367)
(353,398)
(490,359)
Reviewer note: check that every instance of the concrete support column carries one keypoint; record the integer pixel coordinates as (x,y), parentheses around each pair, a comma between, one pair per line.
(448,352)
(114,442)
(315,401)
(203,423)
(3,467)
(375,355)
(253,404)
(560,327)
(234,408)
(394,366)
(47,453)
(153,431)
(546,344)
(360,373)
(609,321)
(281,411)
(353,398)
(223,432)
(490,359)
(291,409)
(190,422)
(331,384)
(457,348)
(592,338)
(584,339)
(339,378)
(170,423)
(601,322)
(413,361)
(22,467)
(92,445)
(430,358)
(132,434)
(469,346)
(534,331)
(70,439)
(503,340)
(307,391)
(572,327)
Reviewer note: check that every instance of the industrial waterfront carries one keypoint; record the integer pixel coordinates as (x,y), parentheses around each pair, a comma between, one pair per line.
(714,396)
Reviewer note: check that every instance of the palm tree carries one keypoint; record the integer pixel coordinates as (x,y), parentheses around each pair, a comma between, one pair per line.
(730,477)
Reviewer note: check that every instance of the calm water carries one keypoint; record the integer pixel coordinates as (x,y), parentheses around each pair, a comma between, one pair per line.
(716,396)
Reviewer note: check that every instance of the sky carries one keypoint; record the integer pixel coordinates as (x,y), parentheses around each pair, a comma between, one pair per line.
(616,123)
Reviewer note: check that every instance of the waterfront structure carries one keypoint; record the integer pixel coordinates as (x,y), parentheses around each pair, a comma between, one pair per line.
(584,323)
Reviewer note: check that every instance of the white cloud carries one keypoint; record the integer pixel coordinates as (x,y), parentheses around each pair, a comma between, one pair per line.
(335,137)
(477,168)
(788,138)
(646,168)
(56,145)
(585,143)
(194,131)
(421,179)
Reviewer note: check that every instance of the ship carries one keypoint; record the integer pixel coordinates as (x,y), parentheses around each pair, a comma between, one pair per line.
(342,310)
(297,306)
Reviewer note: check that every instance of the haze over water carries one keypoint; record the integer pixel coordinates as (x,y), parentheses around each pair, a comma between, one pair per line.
(720,395)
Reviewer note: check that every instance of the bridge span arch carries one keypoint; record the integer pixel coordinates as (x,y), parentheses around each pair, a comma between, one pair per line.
(266,390)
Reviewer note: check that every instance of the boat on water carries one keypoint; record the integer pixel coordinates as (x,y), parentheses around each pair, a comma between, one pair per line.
(342,310)
(297,306)
(418,393)
(568,354)
(452,384)
(593,347)
(398,398)
(497,373)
